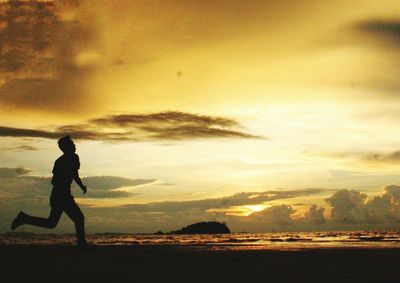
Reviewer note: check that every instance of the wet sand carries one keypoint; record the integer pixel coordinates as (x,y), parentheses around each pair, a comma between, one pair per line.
(25,263)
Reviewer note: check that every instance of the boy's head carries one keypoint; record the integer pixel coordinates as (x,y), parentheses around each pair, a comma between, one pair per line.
(66,145)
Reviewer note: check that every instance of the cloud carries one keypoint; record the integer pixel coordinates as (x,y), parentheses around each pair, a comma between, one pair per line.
(382,37)
(111,182)
(239,199)
(315,215)
(6,172)
(347,206)
(18,132)
(275,215)
(19,147)
(393,191)
(24,147)
(17,183)
(170,215)
(375,42)
(391,157)
(105,186)
(362,155)
(351,210)
(171,125)
(169,118)
(30,193)
(353,207)
(38,51)
(385,31)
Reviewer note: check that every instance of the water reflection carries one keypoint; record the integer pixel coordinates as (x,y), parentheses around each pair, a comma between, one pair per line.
(242,241)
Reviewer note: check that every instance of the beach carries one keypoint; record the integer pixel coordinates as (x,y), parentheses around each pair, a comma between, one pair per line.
(140,263)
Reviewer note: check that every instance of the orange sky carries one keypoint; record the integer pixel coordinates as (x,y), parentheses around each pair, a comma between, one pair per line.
(207,99)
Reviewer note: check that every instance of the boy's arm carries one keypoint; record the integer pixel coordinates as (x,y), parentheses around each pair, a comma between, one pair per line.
(79,182)
(76,175)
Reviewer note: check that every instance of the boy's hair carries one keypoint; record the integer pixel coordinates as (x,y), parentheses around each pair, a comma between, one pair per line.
(64,143)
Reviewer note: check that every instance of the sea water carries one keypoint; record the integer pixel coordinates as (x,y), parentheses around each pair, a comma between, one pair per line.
(234,241)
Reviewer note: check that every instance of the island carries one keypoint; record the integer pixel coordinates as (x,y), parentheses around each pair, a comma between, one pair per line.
(212,227)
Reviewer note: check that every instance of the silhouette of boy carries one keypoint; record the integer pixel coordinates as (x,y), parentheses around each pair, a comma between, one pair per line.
(65,170)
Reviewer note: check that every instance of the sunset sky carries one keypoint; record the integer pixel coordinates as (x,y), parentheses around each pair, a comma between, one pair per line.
(248,112)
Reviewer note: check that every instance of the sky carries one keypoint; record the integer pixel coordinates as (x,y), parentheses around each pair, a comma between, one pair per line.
(267,115)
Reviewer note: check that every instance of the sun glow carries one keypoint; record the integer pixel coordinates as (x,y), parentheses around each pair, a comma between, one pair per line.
(244,210)
(255,208)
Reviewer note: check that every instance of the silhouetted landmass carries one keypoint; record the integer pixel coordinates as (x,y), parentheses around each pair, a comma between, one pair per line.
(204,228)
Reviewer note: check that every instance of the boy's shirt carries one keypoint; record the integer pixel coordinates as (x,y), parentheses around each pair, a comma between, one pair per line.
(64,170)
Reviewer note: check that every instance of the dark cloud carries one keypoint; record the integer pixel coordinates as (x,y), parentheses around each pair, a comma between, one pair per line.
(22,147)
(169,118)
(383,157)
(170,125)
(347,206)
(391,157)
(38,50)
(19,132)
(17,183)
(384,31)
(170,215)
(280,218)
(366,156)
(377,210)
(110,182)
(19,148)
(6,172)
(276,215)
(351,210)
(353,207)
(394,192)
(185,132)
(24,36)
(30,193)
(380,38)
(247,198)
(105,186)
(315,215)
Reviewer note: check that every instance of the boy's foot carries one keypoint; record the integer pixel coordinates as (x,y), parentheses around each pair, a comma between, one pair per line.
(18,221)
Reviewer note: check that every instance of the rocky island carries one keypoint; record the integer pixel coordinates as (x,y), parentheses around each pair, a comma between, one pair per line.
(212,227)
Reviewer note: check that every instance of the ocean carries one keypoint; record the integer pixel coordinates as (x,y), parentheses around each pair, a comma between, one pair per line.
(234,241)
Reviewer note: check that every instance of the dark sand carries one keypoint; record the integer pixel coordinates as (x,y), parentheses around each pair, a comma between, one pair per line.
(177,264)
